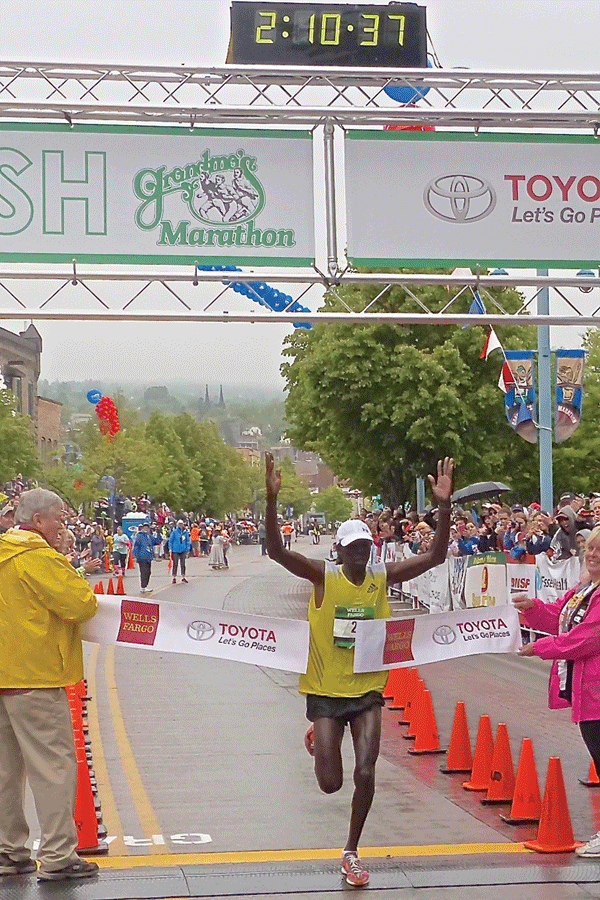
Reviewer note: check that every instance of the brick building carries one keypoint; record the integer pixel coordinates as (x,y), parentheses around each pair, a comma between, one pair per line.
(48,428)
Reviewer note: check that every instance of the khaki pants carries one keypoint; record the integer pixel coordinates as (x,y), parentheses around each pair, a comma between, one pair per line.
(36,742)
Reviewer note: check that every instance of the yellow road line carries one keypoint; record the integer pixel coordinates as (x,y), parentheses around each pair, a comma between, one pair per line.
(262,856)
(144,809)
(110,815)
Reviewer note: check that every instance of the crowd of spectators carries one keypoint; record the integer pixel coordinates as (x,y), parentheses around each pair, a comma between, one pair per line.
(518,530)
(98,542)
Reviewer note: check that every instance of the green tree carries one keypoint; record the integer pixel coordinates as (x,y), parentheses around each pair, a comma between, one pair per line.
(381,403)
(294,492)
(336,506)
(17,448)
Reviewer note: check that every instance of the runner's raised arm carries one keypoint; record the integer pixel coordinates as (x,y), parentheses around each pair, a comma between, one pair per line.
(296,563)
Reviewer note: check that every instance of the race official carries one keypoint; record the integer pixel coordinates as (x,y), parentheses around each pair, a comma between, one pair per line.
(42,601)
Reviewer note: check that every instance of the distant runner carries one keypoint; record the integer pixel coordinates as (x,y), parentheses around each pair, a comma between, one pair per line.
(335,696)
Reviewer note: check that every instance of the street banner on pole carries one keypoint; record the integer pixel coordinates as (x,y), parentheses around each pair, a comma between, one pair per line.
(569,392)
(396,643)
(139,195)
(463,199)
(518,382)
(179,628)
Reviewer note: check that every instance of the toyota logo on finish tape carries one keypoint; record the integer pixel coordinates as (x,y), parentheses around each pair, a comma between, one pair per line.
(459,198)
(444,634)
(200,631)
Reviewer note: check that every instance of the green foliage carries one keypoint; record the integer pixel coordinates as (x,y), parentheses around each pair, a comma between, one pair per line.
(293,492)
(17,448)
(382,403)
(336,506)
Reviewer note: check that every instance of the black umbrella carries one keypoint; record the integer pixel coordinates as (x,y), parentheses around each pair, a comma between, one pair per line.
(479,490)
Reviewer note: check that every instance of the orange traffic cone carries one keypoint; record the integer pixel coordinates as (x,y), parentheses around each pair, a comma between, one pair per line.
(555,833)
(413,710)
(170,561)
(400,685)
(111,588)
(527,803)
(130,562)
(120,585)
(427,739)
(592,779)
(99,589)
(107,565)
(412,680)
(460,755)
(482,761)
(388,692)
(501,787)
(85,818)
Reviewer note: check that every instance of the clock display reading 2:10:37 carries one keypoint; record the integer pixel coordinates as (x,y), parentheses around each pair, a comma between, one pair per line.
(329,34)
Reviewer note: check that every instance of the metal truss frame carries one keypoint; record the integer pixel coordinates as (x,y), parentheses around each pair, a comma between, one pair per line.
(330,98)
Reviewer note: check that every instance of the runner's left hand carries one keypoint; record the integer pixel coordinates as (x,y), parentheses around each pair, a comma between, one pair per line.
(441,486)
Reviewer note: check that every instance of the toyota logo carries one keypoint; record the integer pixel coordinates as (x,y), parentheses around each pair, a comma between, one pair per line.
(444,634)
(459,198)
(200,631)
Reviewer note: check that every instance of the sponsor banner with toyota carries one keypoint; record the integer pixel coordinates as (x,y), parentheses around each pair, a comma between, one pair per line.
(177,628)
(455,198)
(395,643)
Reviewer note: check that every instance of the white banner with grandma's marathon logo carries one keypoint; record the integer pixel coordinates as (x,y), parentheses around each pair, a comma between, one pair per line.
(395,643)
(178,628)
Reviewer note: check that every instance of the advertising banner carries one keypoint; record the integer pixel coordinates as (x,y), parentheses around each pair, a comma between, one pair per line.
(144,195)
(439,589)
(521,579)
(455,199)
(178,628)
(395,643)
(569,392)
(485,580)
(556,578)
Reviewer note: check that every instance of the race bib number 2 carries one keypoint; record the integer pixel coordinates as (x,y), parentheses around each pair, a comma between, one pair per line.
(344,623)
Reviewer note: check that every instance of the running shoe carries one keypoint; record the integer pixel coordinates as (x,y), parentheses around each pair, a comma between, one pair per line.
(309,740)
(353,869)
(592,848)
(184,581)
(174,581)
(9,866)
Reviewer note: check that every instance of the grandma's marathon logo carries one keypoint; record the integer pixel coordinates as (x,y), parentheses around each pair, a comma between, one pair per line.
(221,196)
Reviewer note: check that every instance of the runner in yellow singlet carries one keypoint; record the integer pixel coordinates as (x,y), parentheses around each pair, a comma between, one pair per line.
(335,695)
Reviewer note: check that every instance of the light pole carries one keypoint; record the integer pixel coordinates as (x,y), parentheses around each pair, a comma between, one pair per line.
(545,401)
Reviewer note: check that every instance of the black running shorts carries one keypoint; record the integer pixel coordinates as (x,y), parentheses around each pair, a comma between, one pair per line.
(341,708)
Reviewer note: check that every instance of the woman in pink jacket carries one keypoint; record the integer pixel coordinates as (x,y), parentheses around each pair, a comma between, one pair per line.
(573,644)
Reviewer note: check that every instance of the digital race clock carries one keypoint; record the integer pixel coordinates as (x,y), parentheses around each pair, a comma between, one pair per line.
(301,34)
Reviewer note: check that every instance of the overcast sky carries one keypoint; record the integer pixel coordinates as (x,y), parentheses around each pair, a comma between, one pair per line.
(534,35)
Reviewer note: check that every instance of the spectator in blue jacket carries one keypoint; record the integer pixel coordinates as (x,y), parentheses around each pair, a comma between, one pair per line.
(143,552)
(179,545)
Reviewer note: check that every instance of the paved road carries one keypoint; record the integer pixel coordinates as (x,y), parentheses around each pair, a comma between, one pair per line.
(207,790)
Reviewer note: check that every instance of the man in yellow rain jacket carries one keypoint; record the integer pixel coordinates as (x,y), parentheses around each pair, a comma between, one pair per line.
(42,602)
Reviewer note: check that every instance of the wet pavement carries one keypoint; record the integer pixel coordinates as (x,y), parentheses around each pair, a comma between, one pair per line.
(207,791)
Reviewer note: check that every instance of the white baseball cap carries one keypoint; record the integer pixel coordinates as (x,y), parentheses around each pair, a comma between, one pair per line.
(353,530)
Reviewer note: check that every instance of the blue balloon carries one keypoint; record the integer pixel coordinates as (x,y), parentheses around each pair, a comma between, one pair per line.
(405,94)
(94,396)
